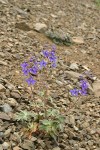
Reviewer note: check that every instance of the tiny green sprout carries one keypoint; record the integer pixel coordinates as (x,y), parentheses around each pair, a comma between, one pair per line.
(23,115)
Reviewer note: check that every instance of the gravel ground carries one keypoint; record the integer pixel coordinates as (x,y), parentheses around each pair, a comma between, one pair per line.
(23,27)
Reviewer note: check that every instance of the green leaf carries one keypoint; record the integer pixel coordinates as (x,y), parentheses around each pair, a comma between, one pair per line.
(46,122)
(52,112)
(24,115)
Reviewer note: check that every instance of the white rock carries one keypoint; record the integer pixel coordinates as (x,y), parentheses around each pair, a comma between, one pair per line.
(40,27)
(74,66)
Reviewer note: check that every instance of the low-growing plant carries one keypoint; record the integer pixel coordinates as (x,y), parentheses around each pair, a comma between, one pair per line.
(97,2)
(58,39)
(43,118)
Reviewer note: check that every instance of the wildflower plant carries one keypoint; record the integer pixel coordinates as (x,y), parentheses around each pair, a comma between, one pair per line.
(43,118)
(83,90)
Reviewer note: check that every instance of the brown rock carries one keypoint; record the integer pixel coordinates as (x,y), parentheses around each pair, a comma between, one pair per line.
(22,26)
(2,88)
(78,40)
(4,116)
(15,94)
(96,88)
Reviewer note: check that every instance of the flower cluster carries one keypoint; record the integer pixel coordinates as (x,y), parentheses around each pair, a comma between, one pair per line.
(31,68)
(82,90)
(50,55)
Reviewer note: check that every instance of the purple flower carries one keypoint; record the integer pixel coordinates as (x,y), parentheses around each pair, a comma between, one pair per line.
(52,53)
(74,92)
(45,53)
(25,71)
(52,58)
(54,65)
(24,65)
(83,92)
(42,64)
(84,84)
(34,70)
(30,81)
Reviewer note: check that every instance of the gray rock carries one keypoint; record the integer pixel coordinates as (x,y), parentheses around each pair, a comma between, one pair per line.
(5,145)
(40,27)
(2,88)
(1,134)
(74,66)
(6,108)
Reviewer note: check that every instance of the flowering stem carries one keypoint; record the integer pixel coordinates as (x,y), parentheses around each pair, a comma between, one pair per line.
(37,111)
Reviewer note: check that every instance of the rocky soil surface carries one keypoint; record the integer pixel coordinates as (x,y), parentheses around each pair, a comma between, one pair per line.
(23,28)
